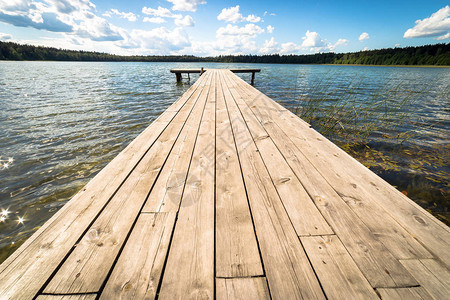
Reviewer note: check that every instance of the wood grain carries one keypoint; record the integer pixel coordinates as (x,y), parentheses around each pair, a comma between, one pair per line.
(413,293)
(375,261)
(189,271)
(139,268)
(242,288)
(338,273)
(29,267)
(288,271)
(431,275)
(87,266)
(237,253)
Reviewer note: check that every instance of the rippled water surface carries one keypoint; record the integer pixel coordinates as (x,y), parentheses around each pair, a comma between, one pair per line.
(62,122)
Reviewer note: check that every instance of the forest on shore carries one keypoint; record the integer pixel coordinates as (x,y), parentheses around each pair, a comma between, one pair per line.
(438,54)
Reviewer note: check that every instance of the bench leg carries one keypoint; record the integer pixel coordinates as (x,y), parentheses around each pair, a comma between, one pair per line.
(253,78)
(178,76)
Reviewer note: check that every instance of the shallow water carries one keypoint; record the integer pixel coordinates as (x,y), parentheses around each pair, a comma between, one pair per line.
(62,122)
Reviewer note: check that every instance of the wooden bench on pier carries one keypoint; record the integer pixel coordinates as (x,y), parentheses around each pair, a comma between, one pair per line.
(178,73)
(228,195)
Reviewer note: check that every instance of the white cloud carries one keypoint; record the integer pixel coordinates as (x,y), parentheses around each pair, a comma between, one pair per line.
(157,41)
(5,36)
(186,5)
(365,49)
(443,37)
(312,39)
(187,21)
(233,15)
(270,29)
(436,25)
(74,17)
(270,47)
(98,29)
(156,20)
(312,42)
(233,39)
(249,30)
(363,36)
(397,45)
(341,42)
(332,47)
(161,12)
(129,16)
(290,48)
(253,19)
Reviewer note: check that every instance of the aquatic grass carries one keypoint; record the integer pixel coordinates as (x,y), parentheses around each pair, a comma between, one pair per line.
(378,128)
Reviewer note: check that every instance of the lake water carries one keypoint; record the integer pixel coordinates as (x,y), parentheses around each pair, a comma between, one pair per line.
(62,122)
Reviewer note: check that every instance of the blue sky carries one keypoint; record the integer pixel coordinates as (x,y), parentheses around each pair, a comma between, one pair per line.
(208,27)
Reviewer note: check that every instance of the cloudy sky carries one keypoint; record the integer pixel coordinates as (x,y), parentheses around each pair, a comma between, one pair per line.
(211,27)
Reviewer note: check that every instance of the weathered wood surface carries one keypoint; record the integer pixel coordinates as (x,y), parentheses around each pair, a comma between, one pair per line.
(228,195)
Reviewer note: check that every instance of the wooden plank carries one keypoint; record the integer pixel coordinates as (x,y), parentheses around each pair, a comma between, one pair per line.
(431,275)
(418,222)
(166,194)
(288,271)
(242,288)
(67,297)
(410,293)
(237,253)
(305,216)
(371,256)
(189,272)
(399,242)
(40,255)
(337,272)
(138,270)
(87,266)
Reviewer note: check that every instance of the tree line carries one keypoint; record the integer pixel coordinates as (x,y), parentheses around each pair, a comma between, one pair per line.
(438,54)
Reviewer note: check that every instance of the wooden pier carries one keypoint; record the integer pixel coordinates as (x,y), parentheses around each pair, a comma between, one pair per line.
(228,195)
(178,73)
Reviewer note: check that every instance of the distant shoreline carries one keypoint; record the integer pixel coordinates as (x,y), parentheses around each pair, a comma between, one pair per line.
(218,62)
(424,56)
(397,66)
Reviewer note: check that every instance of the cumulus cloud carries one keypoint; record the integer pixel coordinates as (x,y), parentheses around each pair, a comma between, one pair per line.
(187,21)
(341,42)
(290,48)
(157,41)
(253,19)
(249,30)
(73,17)
(5,36)
(312,40)
(237,40)
(156,20)
(129,16)
(363,36)
(270,47)
(443,37)
(186,5)
(365,49)
(233,15)
(98,29)
(397,45)
(37,15)
(270,29)
(161,12)
(437,25)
